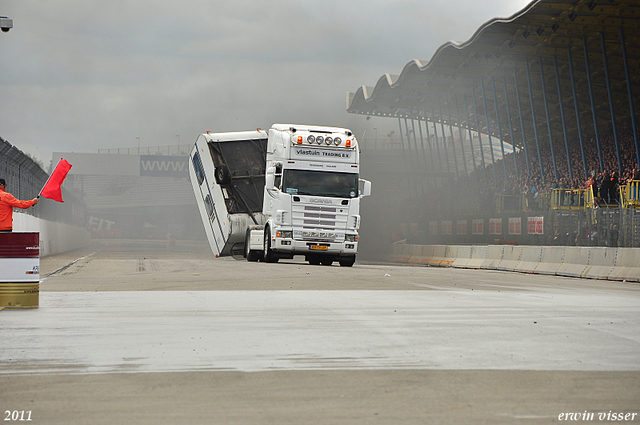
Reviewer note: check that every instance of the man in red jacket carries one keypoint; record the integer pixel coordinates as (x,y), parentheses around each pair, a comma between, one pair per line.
(7,203)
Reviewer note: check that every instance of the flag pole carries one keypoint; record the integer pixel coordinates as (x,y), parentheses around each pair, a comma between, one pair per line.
(50,175)
(45,183)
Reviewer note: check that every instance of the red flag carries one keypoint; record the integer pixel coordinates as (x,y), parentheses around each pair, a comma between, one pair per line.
(52,188)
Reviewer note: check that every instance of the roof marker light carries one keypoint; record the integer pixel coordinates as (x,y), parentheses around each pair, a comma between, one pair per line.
(299,139)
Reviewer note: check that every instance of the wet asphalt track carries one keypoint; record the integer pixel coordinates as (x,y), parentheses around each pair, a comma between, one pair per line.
(154,315)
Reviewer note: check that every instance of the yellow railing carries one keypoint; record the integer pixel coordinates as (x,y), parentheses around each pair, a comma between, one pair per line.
(630,194)
(571,199)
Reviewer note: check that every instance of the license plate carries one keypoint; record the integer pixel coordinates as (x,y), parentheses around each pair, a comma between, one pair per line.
(319,247)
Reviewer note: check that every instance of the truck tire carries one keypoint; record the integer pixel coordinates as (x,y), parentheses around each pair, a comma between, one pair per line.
(250,255)
(347,261)
(268,255)
(326,261)
(314,260)
(223,176)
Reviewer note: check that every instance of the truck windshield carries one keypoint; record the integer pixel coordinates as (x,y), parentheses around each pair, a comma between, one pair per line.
(320,183)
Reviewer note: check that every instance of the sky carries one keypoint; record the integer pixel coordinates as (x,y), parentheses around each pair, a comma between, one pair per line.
(78,76)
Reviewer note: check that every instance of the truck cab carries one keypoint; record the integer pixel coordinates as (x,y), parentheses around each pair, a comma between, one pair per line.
(312,194)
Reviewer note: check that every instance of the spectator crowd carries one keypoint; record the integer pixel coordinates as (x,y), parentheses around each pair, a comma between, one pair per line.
(604,180)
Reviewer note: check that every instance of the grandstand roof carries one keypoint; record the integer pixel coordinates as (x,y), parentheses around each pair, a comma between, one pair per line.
(547,38)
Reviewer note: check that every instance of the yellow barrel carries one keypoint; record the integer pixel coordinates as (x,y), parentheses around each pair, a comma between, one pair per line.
(19,295)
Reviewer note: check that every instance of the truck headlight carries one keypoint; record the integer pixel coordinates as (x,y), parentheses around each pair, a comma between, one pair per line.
(351,238)
(285,234)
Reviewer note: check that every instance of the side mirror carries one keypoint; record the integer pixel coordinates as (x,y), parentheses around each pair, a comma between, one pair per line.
(364,187)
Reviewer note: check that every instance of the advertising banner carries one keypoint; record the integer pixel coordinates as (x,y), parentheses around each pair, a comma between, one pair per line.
(495,226)
(515,226)
(433,227)
(478,227)
(535,225)
(446,227)
(462,227)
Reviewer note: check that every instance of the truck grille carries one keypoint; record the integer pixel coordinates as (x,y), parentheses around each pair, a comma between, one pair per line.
(320,222)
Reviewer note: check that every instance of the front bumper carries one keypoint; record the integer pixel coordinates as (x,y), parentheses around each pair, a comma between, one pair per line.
(301,247)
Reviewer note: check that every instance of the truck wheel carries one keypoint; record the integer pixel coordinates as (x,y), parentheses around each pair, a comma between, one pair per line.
(326,261)
(269,256)
(347,261)
(248,253)
(314,260)
(223,176)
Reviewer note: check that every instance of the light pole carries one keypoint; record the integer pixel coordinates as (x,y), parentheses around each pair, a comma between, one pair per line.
(375,144)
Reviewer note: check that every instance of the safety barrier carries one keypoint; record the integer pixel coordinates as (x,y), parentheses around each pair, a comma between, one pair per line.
(416,253)
(530,259)
(550,260)
(463,256)
(574,262)
(601,262)
(580,262)
(429,255)
(54,237)
(493,257)
(401,253)
(478,255)
(572,199)
(627,265)
(438,255)
(511,258)
(630,194)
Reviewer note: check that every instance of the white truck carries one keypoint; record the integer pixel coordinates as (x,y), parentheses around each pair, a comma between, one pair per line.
(292,191)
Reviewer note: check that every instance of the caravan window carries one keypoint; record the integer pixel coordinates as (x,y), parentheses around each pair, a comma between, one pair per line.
(208,205)
(197,166)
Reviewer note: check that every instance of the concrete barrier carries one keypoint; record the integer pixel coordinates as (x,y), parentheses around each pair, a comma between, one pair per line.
(478,255)
(450,255)
(601,262)
(575,261)
(393,252)
(585,262)
(530,259)
(493,257)
(397,253)
(551,260)
(511,256)
(627,265)
(54,237)
(463,257)
(416,253)
(429,256)
(434,255)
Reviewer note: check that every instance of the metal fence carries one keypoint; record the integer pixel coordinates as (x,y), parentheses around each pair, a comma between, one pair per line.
(150,150)
(25,178)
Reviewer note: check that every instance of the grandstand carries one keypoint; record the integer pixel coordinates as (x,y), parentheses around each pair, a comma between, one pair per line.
(540,113)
